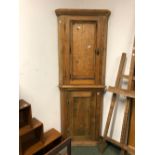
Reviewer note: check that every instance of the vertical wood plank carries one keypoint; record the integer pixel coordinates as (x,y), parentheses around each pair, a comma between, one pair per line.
(117,84)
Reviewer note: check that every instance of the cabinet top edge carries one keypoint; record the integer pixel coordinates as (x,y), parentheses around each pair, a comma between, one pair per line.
(83,12)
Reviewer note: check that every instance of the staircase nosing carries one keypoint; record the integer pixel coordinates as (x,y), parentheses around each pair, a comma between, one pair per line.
(28,128)
(23,104)
(40,145)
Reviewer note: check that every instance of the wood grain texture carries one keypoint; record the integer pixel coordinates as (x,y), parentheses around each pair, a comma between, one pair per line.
(50,137)
(131,134)
(127,113)
(84,143)
(113,101)
(131,138)
(128,105)
(62,145)
(82,49)
(82,110)
(83,44)
(83,12)
(123,92)
(103,142)
(94,87)
(82,63)
(32,139)
(25,113)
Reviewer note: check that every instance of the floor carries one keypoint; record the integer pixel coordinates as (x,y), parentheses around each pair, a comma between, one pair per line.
(110,150)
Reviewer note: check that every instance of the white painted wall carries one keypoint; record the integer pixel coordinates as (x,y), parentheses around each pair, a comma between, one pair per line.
(39,53)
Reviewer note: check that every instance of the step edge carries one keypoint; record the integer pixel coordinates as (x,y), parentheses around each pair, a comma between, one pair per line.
(25,105)
(43,144)
(30,128)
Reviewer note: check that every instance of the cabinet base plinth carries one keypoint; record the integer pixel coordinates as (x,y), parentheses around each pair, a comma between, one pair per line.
(84,143)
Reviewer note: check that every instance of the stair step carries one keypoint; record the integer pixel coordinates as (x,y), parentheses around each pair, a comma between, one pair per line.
(28,128)
(25,115)
(30,134)
(50,139)
(23,104)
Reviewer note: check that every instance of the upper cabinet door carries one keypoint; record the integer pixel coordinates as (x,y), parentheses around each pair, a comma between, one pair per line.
(82,64)
(82,46)
(85,52)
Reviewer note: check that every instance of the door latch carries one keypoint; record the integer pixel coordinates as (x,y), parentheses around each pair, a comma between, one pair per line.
(97,51)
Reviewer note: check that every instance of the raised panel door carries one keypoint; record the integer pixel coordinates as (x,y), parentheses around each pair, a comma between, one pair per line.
(83,45)
(84,56)
(82,106)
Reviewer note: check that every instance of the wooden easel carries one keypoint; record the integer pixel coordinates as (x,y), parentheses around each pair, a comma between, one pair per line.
(129,93)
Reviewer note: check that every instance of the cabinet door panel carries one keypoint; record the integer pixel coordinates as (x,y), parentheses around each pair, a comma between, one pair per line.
(82,115)
(83,50)
(84,38)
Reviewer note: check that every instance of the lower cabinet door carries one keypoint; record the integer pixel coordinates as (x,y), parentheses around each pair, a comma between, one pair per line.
(82,114)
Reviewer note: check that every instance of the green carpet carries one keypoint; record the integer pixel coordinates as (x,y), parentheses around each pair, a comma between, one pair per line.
(83,150)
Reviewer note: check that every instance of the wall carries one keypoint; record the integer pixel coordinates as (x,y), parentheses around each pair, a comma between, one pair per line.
(39,53)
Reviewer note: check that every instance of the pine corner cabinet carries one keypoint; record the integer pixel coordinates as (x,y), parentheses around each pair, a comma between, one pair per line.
(82,37)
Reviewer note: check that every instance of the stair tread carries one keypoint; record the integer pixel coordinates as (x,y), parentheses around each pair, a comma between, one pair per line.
(23,104)
(26,129)
(49,137)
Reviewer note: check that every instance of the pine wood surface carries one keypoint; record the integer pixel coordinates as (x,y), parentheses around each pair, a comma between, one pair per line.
(82,12)
(122,92)
(117,84)
(82,37)
(129,94)
(127,118)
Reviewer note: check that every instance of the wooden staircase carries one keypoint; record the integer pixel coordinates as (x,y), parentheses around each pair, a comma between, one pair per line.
(32,139)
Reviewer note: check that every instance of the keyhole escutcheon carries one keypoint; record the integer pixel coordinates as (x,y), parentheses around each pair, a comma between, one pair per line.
(97,51)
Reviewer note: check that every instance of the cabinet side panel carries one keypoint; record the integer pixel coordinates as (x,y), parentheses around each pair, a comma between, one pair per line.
(64,113)
(61,47)
(103,29)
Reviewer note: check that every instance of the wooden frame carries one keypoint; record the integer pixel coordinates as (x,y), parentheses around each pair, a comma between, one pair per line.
(129,93)
(59,147)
